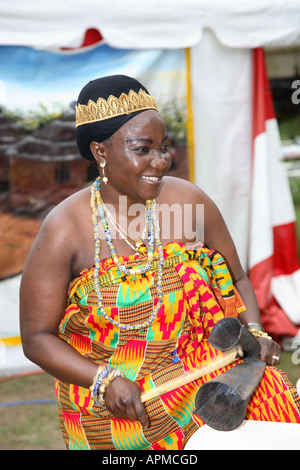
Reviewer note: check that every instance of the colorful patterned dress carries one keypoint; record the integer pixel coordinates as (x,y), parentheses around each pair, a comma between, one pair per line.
(198,291)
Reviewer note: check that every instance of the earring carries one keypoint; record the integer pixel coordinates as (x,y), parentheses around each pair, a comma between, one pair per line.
(104,178)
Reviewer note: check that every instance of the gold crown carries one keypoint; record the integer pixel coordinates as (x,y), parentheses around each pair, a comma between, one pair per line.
(113,107)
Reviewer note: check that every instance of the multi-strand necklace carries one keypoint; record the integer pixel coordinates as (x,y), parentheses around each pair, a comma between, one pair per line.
(153,241)
(139,244)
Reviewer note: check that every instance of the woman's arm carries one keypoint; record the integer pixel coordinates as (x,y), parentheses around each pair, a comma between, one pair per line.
(43,295)
(217,236)
(214,234)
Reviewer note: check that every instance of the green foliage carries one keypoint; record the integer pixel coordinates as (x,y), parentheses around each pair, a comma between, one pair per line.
(35,119)
(295,191)
(175,116)
(289,128)
(173,112)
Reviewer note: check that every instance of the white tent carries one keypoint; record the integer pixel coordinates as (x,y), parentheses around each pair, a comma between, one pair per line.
(220,37)
(130,24)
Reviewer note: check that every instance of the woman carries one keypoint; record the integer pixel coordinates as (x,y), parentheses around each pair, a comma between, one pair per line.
(112,300)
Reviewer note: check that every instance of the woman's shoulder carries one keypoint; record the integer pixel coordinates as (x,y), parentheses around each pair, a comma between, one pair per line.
(68,213)
(175,189)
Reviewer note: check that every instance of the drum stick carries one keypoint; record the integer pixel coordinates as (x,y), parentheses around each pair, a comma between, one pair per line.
(228,358)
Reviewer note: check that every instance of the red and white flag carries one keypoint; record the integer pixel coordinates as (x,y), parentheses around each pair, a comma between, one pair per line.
(274,268)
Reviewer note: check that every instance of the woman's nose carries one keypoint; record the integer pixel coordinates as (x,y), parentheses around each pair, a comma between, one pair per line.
(160,160)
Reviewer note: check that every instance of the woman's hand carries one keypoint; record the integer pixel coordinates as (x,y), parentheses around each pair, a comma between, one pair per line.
(269,351)
(123,400)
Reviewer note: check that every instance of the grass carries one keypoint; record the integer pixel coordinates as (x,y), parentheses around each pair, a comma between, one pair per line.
(36,427)
(30,426)
(290,365)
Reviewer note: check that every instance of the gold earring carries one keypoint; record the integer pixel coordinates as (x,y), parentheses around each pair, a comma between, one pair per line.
(104,178)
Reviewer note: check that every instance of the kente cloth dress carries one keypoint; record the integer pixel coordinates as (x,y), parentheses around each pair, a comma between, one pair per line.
(198,292)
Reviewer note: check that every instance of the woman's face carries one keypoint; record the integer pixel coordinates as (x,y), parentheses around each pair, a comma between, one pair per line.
(137,157)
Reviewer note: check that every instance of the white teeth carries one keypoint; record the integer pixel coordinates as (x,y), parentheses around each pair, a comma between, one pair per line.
(151,178)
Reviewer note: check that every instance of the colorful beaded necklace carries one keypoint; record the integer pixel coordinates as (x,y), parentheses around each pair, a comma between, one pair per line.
(139,242)
(153,239)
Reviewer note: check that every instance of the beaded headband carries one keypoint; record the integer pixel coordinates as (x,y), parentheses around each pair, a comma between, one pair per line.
(114,107)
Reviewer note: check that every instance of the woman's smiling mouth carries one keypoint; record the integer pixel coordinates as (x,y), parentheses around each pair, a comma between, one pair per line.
(151,179)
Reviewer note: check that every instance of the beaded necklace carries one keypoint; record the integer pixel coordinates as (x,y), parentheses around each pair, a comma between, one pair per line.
(139,242)
(153,238)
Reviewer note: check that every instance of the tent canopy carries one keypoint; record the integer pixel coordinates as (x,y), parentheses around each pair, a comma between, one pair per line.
(150,23)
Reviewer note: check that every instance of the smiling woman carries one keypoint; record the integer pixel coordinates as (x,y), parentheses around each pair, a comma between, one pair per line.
(141,301)
(135,165)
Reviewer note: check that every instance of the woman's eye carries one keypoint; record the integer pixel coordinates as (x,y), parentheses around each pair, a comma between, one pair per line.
(142,149)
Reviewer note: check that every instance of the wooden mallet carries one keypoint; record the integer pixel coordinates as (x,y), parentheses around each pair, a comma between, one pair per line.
(222,402)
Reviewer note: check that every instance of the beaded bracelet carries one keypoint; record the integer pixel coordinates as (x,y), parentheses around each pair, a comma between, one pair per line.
(105,375)
(94,387)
